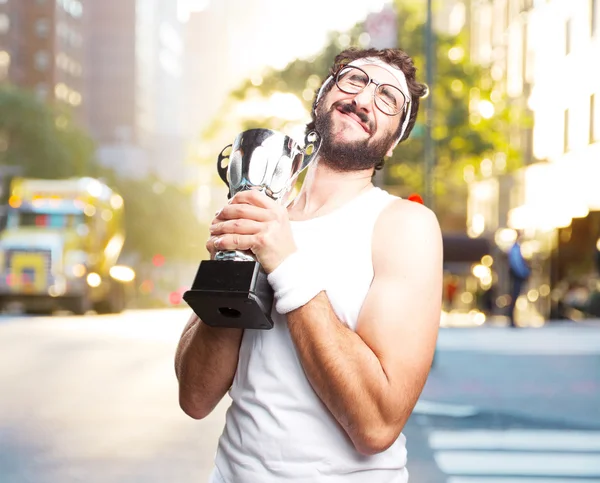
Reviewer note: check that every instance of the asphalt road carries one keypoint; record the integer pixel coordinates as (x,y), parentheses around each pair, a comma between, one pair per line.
(94,399)
(510,406)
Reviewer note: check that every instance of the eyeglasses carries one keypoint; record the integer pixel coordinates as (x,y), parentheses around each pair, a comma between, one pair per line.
(388,98)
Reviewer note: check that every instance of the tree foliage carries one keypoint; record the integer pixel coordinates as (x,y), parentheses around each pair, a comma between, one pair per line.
(42,140)
(464,133)
(463,136)
(160,220)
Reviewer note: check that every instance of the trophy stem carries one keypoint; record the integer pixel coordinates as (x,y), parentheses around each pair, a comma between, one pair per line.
(234,255)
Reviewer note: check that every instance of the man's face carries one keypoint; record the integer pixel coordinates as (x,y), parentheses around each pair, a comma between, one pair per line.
(356,134)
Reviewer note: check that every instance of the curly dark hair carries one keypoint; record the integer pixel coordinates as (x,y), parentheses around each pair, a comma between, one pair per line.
(395,57)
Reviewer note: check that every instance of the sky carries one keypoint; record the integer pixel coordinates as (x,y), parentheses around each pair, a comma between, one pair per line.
(316,17)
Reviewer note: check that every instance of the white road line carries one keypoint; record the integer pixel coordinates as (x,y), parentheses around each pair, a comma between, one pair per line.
(161,325)
(516,439)
(485,479)
(431,408)
(546,341)
(514,463)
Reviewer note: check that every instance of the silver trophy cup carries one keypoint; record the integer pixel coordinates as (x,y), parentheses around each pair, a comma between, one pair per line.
(232,290)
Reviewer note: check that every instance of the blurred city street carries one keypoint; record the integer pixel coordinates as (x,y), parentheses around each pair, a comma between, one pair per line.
(116,118)
(94,399)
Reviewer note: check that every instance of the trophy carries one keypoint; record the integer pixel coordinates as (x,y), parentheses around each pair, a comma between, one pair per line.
(232,290)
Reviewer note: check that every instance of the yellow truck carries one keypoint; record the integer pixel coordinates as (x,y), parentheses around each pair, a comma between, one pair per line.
(60,247)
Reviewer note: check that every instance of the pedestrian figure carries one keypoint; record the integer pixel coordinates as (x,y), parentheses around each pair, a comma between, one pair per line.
(519,272)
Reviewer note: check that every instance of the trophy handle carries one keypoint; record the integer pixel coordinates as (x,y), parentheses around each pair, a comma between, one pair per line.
(223,169)
(312,143)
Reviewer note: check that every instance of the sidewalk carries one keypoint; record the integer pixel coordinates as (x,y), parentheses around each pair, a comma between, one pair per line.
(553,339)
(476,319)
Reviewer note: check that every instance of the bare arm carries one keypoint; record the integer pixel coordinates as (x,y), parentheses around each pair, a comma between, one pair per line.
(205,364)
(370,379)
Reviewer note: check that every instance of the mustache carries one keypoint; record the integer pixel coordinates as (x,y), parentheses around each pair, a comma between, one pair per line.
(348,107)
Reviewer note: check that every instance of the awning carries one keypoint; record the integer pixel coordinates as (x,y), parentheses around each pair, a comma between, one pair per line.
(460,248)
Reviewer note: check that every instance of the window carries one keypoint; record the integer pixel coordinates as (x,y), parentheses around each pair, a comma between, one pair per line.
(42,28)
(75,39)
(4,64)
(4,23)
(566,132)
(41,60)
(42,90)
(568,28)
(526,5)
(524,56)
(593,17)
(594,121)
(73,7)
(49,220)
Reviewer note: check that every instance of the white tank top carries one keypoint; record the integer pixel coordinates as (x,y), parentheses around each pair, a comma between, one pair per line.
(277,429)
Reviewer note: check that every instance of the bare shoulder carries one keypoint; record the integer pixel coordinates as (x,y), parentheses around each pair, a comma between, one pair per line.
(411,212)
(407,220)
(406,229)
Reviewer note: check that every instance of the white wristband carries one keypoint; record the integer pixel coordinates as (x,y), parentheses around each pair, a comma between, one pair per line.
(295,282)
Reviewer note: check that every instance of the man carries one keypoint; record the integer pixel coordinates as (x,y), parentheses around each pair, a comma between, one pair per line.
(357,275)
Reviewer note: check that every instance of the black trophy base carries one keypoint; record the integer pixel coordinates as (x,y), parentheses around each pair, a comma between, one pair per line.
(231,294)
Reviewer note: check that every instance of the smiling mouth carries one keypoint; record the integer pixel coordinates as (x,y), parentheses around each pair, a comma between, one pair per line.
(356,119)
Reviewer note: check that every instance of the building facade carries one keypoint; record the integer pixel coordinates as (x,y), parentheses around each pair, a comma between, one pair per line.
(135,59)
(42,49)
(554,196)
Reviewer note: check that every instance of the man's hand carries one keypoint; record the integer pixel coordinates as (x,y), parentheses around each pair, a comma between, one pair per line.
(253,221)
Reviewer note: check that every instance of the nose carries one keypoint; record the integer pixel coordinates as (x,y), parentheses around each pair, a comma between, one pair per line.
(364,99)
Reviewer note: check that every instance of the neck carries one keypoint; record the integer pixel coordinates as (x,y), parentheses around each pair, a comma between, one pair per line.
(325,189)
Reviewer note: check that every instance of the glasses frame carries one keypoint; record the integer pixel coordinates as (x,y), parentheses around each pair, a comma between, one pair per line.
(377,86)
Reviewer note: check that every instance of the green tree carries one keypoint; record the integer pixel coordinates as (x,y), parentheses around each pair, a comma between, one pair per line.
(42,139)
(45,142)
(159,218)
(472,118)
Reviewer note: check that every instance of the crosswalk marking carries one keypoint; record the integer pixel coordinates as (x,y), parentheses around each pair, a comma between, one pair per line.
(432,408)
(517,439)
(545,341)
(493,479)
(517,455)
(518,463)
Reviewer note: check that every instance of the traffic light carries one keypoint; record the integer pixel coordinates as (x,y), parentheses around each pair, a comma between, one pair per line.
(158,260)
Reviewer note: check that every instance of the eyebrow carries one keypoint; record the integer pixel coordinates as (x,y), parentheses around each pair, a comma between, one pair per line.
(354,76)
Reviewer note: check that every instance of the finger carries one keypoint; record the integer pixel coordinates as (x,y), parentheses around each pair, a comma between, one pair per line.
(235,242)
(254,197)
(244,211)
(210,245)
(241,227)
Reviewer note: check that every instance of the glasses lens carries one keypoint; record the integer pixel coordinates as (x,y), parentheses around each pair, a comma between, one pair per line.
(389,99)
(351,80)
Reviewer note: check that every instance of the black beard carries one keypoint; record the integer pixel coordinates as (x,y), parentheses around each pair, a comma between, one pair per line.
(349,156)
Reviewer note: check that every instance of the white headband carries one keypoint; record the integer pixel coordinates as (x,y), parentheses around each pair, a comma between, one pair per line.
(398,75)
